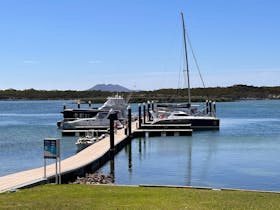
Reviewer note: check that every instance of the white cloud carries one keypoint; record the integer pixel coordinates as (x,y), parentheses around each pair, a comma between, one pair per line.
(94,61)
(31,61)
(160,73)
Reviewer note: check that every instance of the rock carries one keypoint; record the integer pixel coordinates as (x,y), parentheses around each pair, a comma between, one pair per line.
(96,178)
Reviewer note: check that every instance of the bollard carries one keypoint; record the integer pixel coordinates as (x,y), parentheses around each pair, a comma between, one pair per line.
(139,115)
(129,120)
(144,113)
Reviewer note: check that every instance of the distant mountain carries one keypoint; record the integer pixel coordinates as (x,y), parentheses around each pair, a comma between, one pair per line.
(110,88)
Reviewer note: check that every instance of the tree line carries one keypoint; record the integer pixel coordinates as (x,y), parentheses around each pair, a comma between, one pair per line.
(232,93)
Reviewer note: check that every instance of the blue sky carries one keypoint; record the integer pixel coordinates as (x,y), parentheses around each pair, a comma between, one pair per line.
(75,44)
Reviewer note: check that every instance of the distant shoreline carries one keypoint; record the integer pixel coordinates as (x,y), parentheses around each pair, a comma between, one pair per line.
(132,101)
(220,94)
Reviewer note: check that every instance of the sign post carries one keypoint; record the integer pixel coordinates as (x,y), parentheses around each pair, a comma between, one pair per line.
(52,151)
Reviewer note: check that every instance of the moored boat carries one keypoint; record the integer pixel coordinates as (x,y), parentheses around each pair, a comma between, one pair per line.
(184,113)
(116,103)
(90,138)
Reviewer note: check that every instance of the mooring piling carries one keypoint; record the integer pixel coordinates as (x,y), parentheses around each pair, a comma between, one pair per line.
(149,108)
(139,116)
(214,107)
(129,120)
(144,113)
(112,117)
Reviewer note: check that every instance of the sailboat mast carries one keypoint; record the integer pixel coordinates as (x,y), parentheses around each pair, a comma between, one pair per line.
(186,57)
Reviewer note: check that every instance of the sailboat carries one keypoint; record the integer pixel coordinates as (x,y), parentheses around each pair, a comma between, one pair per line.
(187,113)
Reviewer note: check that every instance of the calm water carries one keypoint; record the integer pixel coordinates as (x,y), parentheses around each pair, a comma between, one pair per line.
(23,126)
(244,153)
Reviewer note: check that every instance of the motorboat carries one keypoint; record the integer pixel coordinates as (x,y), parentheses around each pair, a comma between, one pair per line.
(90,138)
(99,121)
(116,104)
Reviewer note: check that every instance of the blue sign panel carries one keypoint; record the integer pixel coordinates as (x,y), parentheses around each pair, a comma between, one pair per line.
(51,148)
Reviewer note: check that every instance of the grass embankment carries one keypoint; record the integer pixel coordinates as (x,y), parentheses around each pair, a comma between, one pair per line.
(113,197)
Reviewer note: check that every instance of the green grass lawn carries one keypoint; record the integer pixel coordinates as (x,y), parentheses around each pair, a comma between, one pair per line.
(116,197)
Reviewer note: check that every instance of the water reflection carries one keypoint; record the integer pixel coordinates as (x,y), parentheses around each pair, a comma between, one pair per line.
(128,152)
(140,147)
(129,157)
(112,168)
(189,163)
(205,159)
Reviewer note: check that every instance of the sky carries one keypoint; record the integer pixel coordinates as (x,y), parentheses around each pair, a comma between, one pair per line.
(76,44)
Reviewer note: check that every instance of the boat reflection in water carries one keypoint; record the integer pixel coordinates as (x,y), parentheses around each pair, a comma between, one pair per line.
(156,160)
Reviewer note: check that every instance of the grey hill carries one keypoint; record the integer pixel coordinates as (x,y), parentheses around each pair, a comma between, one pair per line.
(110,88)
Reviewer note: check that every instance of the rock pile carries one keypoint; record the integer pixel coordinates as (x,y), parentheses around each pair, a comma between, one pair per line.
(96,178)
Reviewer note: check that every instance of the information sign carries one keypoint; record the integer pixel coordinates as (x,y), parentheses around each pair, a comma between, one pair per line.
(51,148)
(52,151)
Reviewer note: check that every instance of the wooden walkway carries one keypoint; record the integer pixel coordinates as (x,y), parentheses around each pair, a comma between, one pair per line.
(81,159)
(87,156)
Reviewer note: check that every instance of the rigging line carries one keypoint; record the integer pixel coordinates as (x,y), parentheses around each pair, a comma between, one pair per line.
(195,60)
(181,66)
(179,81)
